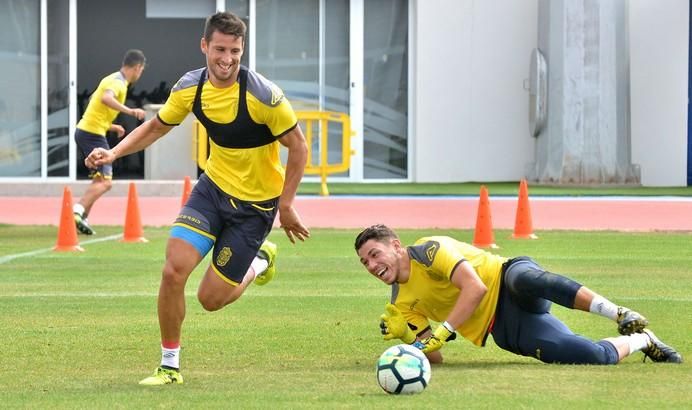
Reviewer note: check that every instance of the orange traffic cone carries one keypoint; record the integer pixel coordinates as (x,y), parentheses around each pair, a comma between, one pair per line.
(522,226)
(483,237)
(133,222)
(67,232)
(187,188)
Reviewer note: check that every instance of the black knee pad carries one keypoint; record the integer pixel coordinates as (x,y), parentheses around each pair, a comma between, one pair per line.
(528,279)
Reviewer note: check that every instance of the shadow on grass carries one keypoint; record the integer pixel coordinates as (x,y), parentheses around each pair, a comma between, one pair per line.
(489,365)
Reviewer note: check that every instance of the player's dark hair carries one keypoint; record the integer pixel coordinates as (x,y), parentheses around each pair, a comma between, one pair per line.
(224,22)
(379,232)
(133,58)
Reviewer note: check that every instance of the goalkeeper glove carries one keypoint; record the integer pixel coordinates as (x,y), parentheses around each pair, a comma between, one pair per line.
(394,325)
(438,339)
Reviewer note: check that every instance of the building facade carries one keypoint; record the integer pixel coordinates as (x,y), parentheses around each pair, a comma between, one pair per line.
(436,89)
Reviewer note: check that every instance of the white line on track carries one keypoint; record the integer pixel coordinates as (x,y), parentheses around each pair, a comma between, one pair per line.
(625,198)
(7,258)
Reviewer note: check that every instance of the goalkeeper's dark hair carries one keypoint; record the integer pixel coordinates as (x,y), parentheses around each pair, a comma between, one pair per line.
(379,232)
(133,58)
(224,22)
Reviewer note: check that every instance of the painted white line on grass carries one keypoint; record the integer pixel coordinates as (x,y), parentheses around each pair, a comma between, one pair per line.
(7,258)
(155,294)
(284,295)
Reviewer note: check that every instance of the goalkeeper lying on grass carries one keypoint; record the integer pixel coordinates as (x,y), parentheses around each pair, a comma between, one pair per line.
(475,293)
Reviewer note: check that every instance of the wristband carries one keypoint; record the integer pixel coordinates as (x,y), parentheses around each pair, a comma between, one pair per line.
(448,327)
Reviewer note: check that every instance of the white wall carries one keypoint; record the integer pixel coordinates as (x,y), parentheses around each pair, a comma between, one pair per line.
(471,111)
(471,108)
(659,37)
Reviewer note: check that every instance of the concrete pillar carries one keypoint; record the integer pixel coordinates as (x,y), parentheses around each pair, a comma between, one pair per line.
(586,137)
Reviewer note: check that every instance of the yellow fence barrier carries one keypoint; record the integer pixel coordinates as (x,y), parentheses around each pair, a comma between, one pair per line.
(318,122)
(314,122)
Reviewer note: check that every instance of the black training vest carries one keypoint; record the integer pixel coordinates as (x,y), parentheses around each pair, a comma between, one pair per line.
(242,132)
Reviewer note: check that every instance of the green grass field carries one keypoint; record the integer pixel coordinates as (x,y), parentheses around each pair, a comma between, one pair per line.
(79,330)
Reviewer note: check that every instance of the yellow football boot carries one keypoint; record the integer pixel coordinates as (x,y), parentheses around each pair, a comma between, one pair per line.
(267,252)
(163,376)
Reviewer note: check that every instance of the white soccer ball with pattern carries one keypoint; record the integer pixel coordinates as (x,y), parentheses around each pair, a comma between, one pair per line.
(403,369)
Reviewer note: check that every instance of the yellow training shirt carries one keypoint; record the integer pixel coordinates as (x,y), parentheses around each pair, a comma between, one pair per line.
(248,170)
(98,117)
(430,295)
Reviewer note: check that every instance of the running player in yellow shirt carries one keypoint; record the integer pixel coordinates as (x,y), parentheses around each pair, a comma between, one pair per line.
(475,293)
(233,205)
(104,106)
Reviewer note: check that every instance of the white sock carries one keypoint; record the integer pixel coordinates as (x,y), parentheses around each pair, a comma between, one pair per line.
(259,265)
(637,342)
(604,307)
(78,209)
(170,357)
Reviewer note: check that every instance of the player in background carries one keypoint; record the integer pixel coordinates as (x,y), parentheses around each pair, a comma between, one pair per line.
(475,293)
(104,106)
(234,203)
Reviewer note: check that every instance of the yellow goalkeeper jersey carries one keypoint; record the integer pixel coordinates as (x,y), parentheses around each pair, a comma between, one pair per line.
(243,122)
(98,117)
(430,295)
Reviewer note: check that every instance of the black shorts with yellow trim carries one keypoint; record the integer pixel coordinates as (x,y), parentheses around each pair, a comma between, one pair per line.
(87,142)
(237,228)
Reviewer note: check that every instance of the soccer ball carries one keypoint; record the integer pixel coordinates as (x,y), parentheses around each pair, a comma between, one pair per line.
(403,369)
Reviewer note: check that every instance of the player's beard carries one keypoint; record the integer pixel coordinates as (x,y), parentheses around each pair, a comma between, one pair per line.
(223,76)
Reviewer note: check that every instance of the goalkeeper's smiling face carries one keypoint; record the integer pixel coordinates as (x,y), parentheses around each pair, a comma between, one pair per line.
(382,259)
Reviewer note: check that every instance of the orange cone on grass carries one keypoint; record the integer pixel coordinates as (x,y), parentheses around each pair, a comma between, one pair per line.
(67,231)
(133,231)
(483,236)
(523,228)
(187,188)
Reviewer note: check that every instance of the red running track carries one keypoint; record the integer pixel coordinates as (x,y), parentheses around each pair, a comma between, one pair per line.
(621,214)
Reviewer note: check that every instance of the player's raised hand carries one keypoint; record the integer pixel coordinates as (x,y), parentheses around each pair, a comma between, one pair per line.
(98,157)
(393,325)
(290,222)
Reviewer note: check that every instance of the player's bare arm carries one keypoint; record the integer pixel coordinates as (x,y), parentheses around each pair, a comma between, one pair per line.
(472,292)
(295,167)
(140,138)
(108,99)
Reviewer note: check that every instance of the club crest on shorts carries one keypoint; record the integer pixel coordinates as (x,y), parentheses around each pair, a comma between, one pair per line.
(224,256)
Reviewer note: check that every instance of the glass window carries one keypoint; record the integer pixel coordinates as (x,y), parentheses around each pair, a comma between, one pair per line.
(179,8)
(288,53)
(239,7)
(58,88)
(20,98)
(287,50)
(385,122)
(336,71)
